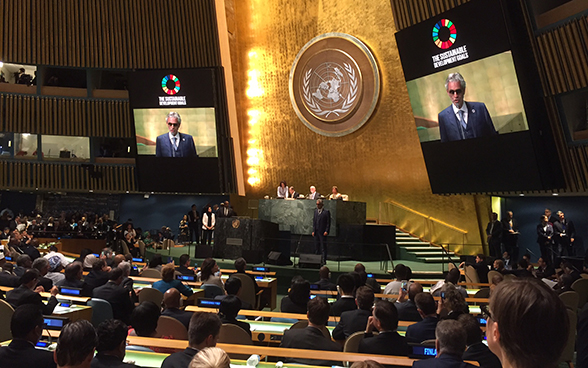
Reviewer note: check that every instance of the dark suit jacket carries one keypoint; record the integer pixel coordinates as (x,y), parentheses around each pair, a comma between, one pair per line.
(309,338)
(496,230)
(179,314)
(543,233)
(351,322)
(22,354)
(8,280)
(385,343)
(506,227)
(558,228)
(288,306)
(23,295)
(244,325)
(96,279)
(326,284)
(108,361)
(481,354)
(321,223)
(78,284)
(119,299)
(421,331)
(186,148)
(31,251)
(181,359)
(185,270)
(407,311)
(479,123)
(343,305)
(481,270)
(46,283)
(443,361)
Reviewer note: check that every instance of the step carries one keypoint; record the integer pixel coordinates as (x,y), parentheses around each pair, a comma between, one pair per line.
(435,259)
(408,244)
(407,238)
(431,253)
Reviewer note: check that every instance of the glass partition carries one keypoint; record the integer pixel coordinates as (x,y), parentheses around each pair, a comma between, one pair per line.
(25,146)
(64,148)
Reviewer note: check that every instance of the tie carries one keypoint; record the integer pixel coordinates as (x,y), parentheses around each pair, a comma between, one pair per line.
(462,123)
(175,146)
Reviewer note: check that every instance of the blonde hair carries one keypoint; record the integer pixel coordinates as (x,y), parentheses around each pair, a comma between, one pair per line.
(211,358)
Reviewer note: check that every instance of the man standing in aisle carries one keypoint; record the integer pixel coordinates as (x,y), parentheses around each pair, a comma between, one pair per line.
(194,224)
(494,235)
(510,236)
(321,224)
(565,232)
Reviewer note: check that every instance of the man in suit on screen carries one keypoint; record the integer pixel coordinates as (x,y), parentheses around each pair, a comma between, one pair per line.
(463,120)
(321,224)
(173,143)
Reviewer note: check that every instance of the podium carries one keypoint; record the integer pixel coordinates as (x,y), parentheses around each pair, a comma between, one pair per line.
(251,239)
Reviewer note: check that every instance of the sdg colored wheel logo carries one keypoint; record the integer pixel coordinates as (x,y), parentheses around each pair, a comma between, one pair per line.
(444,34)
(170,84)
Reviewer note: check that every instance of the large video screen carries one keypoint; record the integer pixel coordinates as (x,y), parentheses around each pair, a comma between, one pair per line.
(177,120)
(477,101)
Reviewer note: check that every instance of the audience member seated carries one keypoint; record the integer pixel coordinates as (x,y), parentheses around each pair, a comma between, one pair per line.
(384,318)
(425,329)
(297,299)
(23,263)
(346,301)
(28,293)
(73,279)
(229,310)
(544,271)
(450,345)
(452,278)
(241,266)
(312,336)
(527,324)
(42,265)
(401,274)
(496,279)
(7,278)
(476,350)
(171,302)
(156,262)
(76,345)
(211,358)
(355,320)
(129,260)
(508,262)
(26,326)
(99,275)
(210,273)
(233,286)
(89,261)
(54,253)
(480,267)
(116,295)
(55,273)
(106,255)
(184,264)
(128,282)
(168,281)
(83,254)
(203,333)
(368,281)
(112,343)
(498,265)
(118,259)
(522,269)
(324,281)
(452,305)
(407,311)
(30,248)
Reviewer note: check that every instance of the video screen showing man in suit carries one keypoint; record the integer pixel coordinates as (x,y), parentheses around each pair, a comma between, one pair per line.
(173,143)
(463,120)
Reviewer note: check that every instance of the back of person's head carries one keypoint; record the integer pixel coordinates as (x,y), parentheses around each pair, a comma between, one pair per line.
(523,264)
(167,272)
(295,279)
(496,279)
(346,283)
(171,298)
(365,298)
(230,306)
(414,289)
(300,292)
(387,314)
(401,272)
(41,264)
(240,264)
(366,364)
(499,264)
(359,267)
(29,276)
(23,261)
(206,268)
(184,258)
(118,259)
(156,261)
(451,338)
(144,318)
(528,324)
(53,248)
(111,334)
(482,256)
(76,343)
(453,276)
(360,278)
(454,301)
(98,264)
(116,274)
(212,357)
(85,253)
(203,325)
(72,271)
(472,328)
(125,267)
(426,303)
(318,311)
(324,272)
(25,319)
(233,285)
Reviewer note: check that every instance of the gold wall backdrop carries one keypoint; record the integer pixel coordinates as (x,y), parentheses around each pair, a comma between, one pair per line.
(380,162)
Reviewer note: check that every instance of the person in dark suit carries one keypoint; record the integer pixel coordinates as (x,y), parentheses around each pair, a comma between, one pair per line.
(324,281)
(292,193)
(476,350)
(76,345)
(480,266)
(312,336)
(171,302)
(321,224)
(565,232)
(73,278)
(30,248)
(203,333)
(116,295)
(346,301)
(355,320)
(42,265)
(425,329)
(550,216)
(28,293)
(225,210)
(463,120)
(298,296)
(26,326)
(545,238)
(544,270)
(407,310)
(494,235)
(313,193)
(233,287)
(194,224)
(99,275)
(23,263)
(450,345)
(384,318)
(184,264)
(111,348)
(510,236)
(173,143)
(228,311)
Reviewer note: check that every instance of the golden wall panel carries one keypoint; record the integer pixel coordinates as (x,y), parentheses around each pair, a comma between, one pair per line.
(379,162)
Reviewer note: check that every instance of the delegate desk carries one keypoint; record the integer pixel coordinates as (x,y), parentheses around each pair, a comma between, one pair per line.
(74,312)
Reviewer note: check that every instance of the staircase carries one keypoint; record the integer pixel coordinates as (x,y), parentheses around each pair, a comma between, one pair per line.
(413,249)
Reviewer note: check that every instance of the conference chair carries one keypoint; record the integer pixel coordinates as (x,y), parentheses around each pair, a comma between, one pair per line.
(248,290)
(493,273)
(568,354)
(482,293)
(428,342)
(151,272)
(142,248)
(352,342)
(471,275)
(450,266)
(581,287)
(152,295)
(304,324)
(233,334)
(124,247)
(6,312)
(101,310)
(171,328)
(211,291)
(570,300)
(509,276)
(584,275)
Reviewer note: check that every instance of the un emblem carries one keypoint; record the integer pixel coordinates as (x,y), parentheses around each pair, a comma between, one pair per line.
(334,84)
